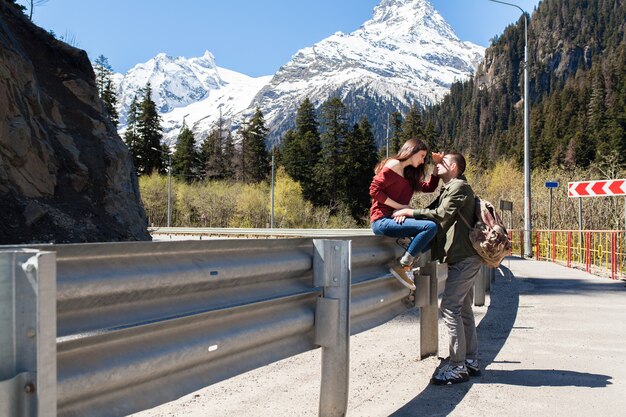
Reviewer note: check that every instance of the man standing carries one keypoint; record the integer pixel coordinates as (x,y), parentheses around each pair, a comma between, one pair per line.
(452,245)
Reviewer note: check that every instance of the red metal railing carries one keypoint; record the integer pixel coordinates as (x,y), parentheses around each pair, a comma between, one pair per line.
(597,251)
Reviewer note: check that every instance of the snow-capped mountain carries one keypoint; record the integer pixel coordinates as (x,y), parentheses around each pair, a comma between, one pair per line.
(229,100)
(175,82)
(406,54)
(194,89)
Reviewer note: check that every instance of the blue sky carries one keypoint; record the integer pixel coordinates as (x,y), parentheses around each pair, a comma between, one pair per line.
(254,37)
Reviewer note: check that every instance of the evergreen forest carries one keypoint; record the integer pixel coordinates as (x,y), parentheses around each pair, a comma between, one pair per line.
(577,90)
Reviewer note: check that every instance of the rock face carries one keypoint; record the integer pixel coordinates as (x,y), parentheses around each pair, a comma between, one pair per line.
(65,174)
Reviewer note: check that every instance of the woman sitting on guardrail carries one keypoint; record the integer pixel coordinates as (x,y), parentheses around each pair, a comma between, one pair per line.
(395,180)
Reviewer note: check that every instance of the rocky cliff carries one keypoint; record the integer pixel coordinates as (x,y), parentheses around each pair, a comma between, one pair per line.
(65,174)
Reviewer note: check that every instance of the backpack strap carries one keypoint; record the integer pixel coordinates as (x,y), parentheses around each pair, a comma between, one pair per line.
(463,217)
(465,221)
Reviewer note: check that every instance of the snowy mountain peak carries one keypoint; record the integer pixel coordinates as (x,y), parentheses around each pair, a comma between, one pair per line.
(207,60)
(175,82)
(407,19)
(388,9)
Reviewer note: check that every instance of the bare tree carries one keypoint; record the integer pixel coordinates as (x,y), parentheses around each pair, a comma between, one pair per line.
(34,3)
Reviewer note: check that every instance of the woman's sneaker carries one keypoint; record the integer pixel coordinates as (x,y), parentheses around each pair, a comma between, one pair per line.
(473,368)
(402,275)
(448,374)
(404,242)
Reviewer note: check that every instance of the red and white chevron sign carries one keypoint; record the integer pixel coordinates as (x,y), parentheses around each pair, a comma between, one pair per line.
(596,188)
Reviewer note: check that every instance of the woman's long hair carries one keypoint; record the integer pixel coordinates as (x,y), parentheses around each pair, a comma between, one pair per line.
(414,175)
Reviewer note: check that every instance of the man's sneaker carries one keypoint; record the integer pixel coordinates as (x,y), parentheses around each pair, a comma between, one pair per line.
(403,276)
(473,368)
(449,374)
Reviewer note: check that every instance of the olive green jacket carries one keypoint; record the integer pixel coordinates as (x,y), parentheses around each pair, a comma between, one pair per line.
(451,244)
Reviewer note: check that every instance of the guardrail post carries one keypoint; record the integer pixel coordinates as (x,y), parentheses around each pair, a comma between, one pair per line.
(429,311)
(332,272)
(491,273)
(28,334)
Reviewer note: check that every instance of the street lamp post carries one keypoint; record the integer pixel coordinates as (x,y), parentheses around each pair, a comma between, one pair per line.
(272,214)
(387,141)
(527,222)
(169,185)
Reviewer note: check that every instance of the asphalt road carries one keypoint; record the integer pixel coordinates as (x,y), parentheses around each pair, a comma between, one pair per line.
(552,342)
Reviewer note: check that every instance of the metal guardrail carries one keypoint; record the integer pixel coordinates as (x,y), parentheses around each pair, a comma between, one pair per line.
(142,323)
(256,233)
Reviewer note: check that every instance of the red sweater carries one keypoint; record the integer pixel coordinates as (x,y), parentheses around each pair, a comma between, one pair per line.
(389,184)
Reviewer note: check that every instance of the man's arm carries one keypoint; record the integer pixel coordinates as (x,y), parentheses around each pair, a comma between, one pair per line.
(445,210)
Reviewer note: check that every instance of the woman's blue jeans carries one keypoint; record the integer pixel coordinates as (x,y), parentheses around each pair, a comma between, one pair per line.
(422,232)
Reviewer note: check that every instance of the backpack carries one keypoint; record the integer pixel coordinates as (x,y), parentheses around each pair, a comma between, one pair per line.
(488,236)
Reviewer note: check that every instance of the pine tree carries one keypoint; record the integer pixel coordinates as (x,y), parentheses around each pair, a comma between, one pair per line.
(131,136)
(211,156)
(328,168)
(106,87)
(150,134)
(185,158)
(358,161)
(306,120)
(110,100)
(229,156)
(395,141)
(616,125)
(412,125)
(596,113)
(430,134)
(291,154)
(255,158)
(301,148)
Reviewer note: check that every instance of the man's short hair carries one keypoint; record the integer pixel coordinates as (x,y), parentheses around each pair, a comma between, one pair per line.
(459,160)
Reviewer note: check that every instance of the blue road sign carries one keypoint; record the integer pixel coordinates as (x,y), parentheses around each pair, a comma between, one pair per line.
(552,184)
